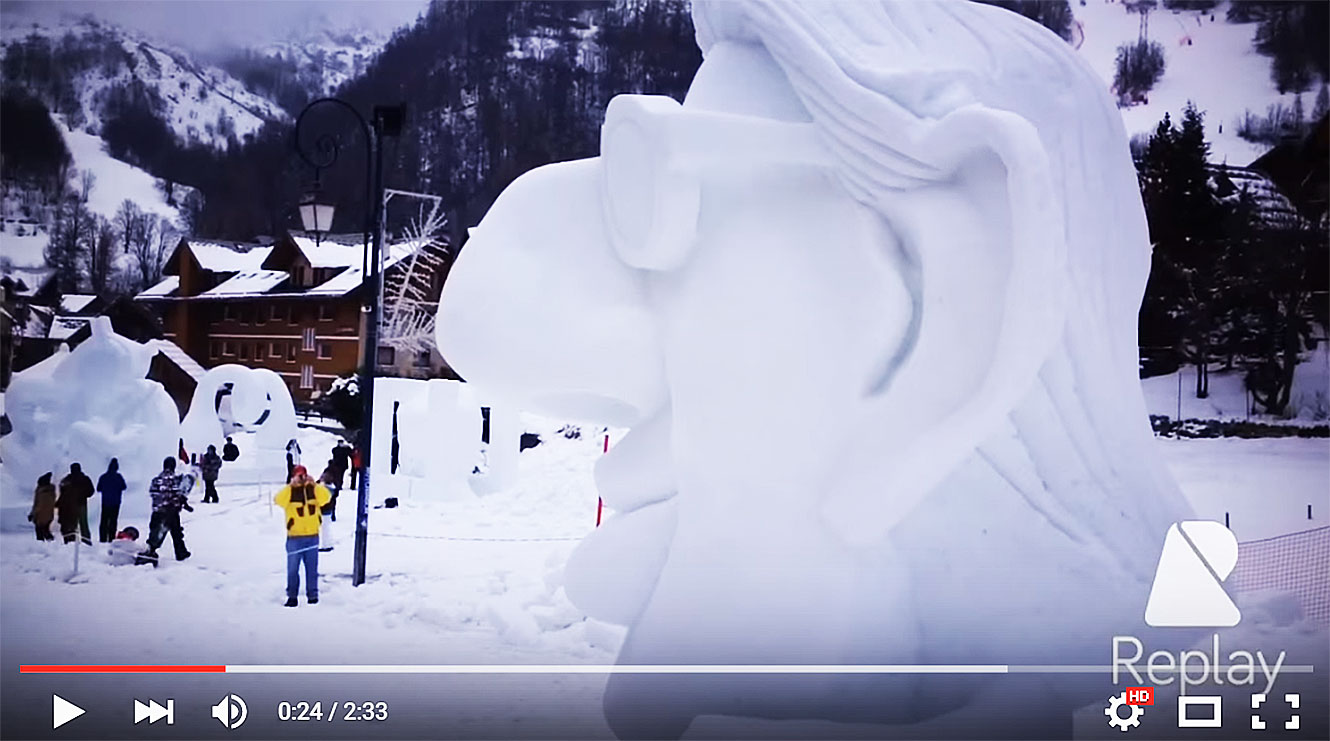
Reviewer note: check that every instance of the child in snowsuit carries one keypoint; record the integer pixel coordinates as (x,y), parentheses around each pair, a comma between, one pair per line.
(43,507)
(124,549)
(304,500)
(229,451)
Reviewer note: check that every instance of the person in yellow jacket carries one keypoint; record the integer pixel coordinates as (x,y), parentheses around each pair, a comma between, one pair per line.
(303,501)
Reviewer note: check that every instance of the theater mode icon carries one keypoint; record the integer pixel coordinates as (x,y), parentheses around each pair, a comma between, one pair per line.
(1188,590)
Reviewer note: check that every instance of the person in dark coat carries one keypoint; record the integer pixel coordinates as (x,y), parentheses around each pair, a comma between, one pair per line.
(72,504)
(43,507)
(229,451)
(209,466)
(332,478)
(111,485)
(292,457)
(341,455)
(169,492)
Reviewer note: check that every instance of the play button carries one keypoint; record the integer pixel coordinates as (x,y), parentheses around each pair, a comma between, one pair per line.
(63,711)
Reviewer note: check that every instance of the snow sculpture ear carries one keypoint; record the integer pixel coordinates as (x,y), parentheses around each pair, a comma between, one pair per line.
(987,242)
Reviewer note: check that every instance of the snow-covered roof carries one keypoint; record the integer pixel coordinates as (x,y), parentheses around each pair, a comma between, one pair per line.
(73,303)
(165,287)
(178,356)
(351,278)
(327,253)
(1273,208)
(228,257)
(32,278)
(26,251)
(248,283)
(38,323)
(64,326)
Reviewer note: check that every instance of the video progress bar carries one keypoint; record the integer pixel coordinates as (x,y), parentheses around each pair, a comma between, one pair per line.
(583,669)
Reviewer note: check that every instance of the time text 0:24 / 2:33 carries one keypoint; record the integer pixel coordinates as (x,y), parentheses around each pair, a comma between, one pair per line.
(303,710)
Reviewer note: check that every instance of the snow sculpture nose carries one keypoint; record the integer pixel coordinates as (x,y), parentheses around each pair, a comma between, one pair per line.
(538,308)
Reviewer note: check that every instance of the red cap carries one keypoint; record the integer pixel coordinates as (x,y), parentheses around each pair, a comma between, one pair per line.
(300,471)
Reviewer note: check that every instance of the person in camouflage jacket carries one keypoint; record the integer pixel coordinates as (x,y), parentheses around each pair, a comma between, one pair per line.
(169,491)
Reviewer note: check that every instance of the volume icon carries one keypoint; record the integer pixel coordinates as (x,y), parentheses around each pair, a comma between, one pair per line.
(231,711)
(154,712)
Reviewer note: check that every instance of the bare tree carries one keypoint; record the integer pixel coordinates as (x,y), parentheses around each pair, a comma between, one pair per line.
(101,256)
(152,247)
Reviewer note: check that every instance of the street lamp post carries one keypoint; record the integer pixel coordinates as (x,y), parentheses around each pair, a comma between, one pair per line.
(317,218)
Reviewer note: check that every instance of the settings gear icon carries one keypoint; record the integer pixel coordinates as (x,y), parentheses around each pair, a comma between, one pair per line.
(1133,719)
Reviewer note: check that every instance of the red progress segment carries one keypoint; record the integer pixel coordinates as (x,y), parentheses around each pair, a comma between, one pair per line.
(122,669)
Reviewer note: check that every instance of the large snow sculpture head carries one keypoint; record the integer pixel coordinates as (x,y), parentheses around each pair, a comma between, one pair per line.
(89,406)
(868,300)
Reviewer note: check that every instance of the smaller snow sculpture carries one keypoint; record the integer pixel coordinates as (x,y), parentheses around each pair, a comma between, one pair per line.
(88,406)
(438,433)
(259,401)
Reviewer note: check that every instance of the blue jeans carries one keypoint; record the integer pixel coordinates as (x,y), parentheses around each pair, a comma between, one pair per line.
(306,549)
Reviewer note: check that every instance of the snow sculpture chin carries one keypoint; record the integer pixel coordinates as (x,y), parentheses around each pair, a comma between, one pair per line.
(867,300)
(259,401)
(88,406)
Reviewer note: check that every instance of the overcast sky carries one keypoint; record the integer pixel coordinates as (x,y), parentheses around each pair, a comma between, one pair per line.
(206,24)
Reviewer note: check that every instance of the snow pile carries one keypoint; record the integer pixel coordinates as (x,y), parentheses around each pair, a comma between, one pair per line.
(87,406)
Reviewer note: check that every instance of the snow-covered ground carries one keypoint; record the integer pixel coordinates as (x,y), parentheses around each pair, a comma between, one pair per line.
(1219,70)
(1309,400)
(475,581)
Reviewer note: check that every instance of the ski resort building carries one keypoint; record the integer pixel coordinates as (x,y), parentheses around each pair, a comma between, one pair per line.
(294,307)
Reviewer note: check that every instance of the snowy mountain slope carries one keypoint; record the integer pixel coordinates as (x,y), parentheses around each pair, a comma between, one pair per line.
(327,58)
(1211,63)
(115,181)
(199,103)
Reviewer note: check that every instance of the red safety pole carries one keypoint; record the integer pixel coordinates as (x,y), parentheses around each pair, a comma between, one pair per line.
(600,503)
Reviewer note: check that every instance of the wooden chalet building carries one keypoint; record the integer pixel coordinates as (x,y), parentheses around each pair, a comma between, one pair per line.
(293,307)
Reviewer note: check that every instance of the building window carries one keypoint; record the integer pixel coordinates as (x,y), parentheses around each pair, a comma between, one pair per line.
(244,351)
(290,314)
(387,356)
(212,349)
(274,349)
(275,313)
(291,353)
(325,351)
(307,339)
(260,315)
(227,349)
(306,376)
(244,313)
(422,359)
(325,313)
(228,313)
